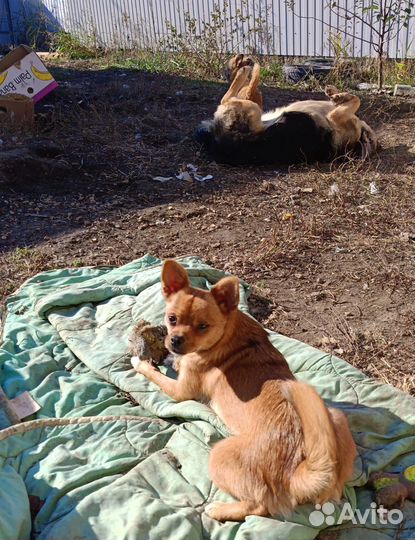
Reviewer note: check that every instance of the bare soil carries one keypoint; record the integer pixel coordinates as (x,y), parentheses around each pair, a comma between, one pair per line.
(330,263)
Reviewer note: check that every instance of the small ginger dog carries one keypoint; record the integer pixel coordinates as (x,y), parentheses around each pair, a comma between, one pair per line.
(287,447)
(239,113)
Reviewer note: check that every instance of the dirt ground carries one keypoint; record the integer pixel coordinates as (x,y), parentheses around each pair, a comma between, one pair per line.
(329,262)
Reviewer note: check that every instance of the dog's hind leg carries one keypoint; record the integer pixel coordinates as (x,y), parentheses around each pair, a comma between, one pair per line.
(346,124)
(236,85)
(228,470)
(251,91)
(330,90)
(346,106)
(346,448)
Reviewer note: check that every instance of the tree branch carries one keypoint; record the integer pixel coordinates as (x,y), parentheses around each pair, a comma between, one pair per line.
(355,16)
(348,34)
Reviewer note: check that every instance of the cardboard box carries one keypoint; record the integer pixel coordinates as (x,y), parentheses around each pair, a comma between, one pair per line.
(23,72)
(16,110)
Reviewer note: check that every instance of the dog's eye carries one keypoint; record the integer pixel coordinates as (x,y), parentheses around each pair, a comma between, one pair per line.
(202,326)
(172,319)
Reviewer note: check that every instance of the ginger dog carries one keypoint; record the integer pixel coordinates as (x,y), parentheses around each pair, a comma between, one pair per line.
(287,448)
(250,90)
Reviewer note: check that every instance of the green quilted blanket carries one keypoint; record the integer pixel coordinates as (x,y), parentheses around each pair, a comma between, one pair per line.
(109,457)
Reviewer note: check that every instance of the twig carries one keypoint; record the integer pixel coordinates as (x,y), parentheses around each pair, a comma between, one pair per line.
(331,26)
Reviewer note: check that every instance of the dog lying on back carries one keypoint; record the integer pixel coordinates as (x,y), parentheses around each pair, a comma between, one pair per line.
(287,447)
(303,131)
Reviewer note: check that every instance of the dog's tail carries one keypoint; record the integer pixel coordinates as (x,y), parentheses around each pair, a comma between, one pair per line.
(368,141)
(315,479)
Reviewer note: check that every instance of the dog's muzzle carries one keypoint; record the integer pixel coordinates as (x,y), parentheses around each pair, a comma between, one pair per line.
(176,344)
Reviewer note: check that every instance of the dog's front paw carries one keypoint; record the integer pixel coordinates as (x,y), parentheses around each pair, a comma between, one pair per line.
(146,368)
(213,510)
(142,366)
(135,362)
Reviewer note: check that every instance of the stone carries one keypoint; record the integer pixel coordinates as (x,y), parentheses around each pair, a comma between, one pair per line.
(404,90)
(366,86)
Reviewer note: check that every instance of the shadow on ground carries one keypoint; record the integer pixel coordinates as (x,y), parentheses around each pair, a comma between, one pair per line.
(99,141)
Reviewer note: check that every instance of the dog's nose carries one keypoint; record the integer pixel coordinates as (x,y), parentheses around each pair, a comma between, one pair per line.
(177,341)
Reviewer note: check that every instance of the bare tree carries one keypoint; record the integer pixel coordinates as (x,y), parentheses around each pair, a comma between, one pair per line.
(384,19)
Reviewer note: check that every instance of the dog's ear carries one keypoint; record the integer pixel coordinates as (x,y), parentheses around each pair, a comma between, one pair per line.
(226,293)
(173,277)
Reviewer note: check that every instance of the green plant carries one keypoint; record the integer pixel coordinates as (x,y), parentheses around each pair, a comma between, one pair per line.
(401,71)
(272,71)
(208,42)
(71,46)
(341,48)
(153,62)
(35,25)
(404,71)
(21,253)
(384,19)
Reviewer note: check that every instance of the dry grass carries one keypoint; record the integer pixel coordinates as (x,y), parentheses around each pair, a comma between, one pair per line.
(346,72)
(376,355)
(366,232)
(15,268)
(18,266)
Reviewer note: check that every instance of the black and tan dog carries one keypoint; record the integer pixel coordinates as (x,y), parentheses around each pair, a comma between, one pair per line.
(304,131)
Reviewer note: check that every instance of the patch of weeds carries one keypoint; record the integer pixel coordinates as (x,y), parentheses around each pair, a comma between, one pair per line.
(150,61)
(272,72)
(202,53)
(207,44)
(19,265)
(20,254)
(71,47)
(139,62)
(280,245)
(34,25)
(402,72)
(347,73)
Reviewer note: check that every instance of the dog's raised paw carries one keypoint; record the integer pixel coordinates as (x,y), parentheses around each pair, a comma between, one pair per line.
(342,97)
(330,90)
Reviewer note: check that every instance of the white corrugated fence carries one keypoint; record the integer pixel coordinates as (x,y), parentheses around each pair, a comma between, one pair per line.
(311,29)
